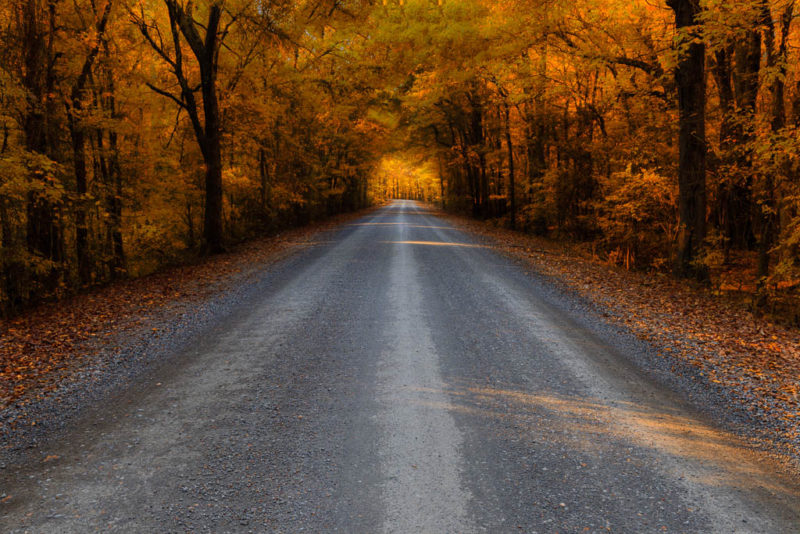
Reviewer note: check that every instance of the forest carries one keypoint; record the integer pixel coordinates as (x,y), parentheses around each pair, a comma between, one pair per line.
(143,133)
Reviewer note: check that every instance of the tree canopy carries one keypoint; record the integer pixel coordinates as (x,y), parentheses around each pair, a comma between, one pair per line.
(137,132)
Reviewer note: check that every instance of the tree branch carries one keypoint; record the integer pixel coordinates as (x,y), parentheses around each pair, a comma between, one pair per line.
(167,94)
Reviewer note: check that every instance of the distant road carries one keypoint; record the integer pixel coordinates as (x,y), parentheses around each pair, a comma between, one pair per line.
(400,377)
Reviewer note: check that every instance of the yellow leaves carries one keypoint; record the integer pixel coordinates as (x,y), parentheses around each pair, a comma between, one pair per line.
(405,176)
(285,196)
(387,120)
(237,178)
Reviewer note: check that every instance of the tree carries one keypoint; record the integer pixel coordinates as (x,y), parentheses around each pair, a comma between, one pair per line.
(690,81)
(78,136)
(204,41)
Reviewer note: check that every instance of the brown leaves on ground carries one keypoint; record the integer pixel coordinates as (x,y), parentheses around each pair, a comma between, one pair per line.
(42,347)
(756,361)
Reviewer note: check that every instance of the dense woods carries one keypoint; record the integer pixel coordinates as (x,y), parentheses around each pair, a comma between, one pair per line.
(135,133)
(663,134)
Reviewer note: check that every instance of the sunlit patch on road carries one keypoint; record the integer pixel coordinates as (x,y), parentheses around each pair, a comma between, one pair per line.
(403,224)
(434,244)
(704,456)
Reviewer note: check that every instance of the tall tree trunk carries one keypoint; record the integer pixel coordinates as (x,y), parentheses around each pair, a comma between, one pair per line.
(723,212)
(209,134)
(114,199)
(208,130)
(4,145)
(747,67)
(212,225)
(78,137)
(537,164)
(511,184)
(690,80)
(768,202)
(44,235)
(263,173)
(440,160)
(81,227)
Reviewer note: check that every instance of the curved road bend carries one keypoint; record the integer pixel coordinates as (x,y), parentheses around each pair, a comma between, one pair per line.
(399,378)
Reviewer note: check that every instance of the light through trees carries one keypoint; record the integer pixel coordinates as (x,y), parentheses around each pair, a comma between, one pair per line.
(401,177)
(136,133)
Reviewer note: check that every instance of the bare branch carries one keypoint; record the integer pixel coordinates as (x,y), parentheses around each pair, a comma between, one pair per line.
(167,94)
(144,29)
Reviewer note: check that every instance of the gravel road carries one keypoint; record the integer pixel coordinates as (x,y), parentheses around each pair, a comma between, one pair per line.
(400,377)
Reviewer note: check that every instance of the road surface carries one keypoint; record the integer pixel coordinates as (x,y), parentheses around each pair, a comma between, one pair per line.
(399,377)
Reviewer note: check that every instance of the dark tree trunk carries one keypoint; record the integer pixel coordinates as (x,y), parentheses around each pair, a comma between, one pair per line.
(690,80)
(535,150)
(483,209)
(439,159)
(114,197)
(78,137)
(212,225)
(81,227)
(209,135)
(34,76)
(736,69)
(476,144)
(747,54)
(724,210)
(212,221)
(4,146)
(263,172)
(768,202)
(208,131)
(43,233)
(511,184)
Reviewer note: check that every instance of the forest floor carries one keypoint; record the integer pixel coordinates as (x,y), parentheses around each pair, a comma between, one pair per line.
(50,344)
(751,362)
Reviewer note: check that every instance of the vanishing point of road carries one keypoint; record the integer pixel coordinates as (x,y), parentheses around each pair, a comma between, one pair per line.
(400,377)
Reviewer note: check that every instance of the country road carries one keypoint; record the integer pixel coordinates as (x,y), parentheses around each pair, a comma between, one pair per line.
(401,377)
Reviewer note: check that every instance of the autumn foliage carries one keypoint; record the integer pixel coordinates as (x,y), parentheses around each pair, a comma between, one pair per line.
(136,133)
(663,134)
